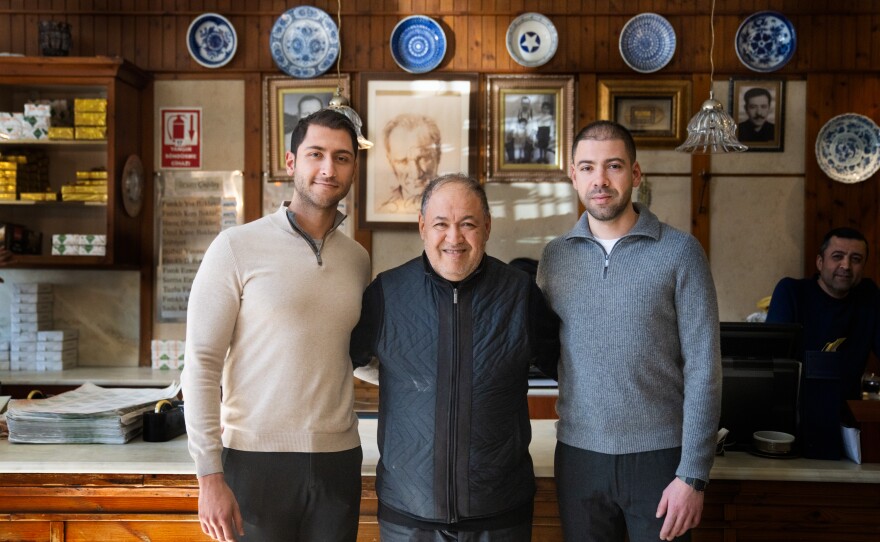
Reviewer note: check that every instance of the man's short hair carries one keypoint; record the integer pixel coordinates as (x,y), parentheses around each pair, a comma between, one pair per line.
(409,121)
(469,183)
(842,233)
(755,92)
(606,130)
(326,118)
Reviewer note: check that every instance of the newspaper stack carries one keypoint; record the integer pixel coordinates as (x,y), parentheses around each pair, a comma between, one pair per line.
(30,312)
(89,414)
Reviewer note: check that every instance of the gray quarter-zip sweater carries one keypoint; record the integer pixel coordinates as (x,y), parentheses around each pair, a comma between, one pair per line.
(640,368)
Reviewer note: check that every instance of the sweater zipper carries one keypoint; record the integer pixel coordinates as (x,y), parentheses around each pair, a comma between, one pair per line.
(452,444)
(607,261)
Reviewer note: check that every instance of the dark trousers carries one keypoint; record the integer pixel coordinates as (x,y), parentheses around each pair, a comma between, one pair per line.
(390,532)
(290,496)
(603,497)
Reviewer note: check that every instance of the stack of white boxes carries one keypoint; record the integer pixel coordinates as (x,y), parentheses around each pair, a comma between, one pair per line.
(30,312)
(57,349)
(35,343)
(4,355)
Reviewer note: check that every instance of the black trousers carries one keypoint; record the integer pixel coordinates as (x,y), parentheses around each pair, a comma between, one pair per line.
(296,497)
(390,532)
(603,497)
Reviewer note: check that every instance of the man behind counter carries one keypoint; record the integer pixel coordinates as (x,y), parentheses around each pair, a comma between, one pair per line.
(837,303)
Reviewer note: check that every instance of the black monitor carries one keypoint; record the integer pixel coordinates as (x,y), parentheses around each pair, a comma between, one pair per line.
(761,379)
(758,340)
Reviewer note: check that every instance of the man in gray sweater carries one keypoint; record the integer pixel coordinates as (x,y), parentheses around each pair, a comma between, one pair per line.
(640,371)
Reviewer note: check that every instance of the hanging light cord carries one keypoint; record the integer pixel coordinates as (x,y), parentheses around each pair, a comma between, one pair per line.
(339,29)
(711,47)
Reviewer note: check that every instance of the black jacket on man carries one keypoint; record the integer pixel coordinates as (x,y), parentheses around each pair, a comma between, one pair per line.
(454,427)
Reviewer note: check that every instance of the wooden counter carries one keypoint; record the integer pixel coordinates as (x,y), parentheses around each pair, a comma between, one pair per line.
(148,491)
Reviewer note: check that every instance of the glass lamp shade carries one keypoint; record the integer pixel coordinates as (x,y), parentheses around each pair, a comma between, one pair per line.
(711,131)
(341,104)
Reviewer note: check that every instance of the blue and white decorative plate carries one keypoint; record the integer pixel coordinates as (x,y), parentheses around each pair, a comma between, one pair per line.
(647,42)
(304,42)
(532,40)
(418,44)
(765,41)
(211,40)
(848,148)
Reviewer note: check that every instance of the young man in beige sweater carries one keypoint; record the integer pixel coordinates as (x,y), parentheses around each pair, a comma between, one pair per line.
(269,319)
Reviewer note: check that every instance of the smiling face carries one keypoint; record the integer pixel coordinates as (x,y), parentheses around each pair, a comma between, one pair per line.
(841,266)
(454,229)
(323,169)
(604,177)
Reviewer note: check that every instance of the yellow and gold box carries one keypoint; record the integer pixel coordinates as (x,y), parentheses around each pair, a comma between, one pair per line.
(89,118)
(91,132)
(84,197)
(8,164)
(39,196)
(61,132)
(95,105)
(8,196)
(98,174)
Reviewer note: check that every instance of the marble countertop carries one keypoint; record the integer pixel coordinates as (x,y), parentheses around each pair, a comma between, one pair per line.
(138,457)
(101,376)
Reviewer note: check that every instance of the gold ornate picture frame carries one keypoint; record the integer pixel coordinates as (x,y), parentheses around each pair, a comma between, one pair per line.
(656,112)
(530,126)
(284,99)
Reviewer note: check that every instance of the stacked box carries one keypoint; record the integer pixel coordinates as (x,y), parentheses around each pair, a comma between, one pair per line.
(4,355)
(36,121)
(57,349)
(72,244)
(30,312)
(166,354)
(20,240)
(89,186)
(8,175)
(90,118)
(29,174)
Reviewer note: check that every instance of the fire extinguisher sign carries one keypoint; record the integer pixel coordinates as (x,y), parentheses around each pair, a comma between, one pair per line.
(181,137)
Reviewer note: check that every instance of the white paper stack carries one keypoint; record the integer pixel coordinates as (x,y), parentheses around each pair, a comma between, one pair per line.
(88,414)
(30,312)
(57,349)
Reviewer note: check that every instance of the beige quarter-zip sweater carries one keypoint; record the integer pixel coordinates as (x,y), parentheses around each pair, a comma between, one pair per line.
(269,319)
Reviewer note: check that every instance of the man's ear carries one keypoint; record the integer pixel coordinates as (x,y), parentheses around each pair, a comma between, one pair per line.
(290,162)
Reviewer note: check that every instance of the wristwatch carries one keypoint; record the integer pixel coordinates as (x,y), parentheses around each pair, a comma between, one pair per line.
(696,483)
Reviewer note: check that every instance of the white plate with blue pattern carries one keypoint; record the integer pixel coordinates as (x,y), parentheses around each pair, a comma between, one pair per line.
(304,42)
(418,44)
(532,40)
(765,41)
(211,40)
(647,42)
(848,148)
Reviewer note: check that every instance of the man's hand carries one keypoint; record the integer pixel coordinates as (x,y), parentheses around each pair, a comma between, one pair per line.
(218,510)
(683,506)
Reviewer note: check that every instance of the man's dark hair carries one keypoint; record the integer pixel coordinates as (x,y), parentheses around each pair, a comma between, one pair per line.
(842,233)
(326,118)
(755,92)
(606,130)
(469,183)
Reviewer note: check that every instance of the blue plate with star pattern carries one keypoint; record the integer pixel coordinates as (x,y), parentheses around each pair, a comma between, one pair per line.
(532,40)
(304,42)
(418,44)
(765,41)
(647,42)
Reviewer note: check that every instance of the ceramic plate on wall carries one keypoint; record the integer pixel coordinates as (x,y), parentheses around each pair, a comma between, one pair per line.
(848,148)
(211,40)
(304,42)
(532,40)
(647,42)
(765,41)
(418,44)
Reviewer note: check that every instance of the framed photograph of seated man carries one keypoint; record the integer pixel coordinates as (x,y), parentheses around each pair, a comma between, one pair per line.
(654,111)
(757,106)
(285,100)
(420,129)
(530,127)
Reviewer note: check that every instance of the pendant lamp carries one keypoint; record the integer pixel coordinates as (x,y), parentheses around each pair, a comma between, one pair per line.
(339,102)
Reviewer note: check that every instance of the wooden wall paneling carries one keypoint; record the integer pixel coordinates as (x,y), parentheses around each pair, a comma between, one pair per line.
(864,33)
(487,48)
(147,299)
(701,167)
(172,41)
(253,119)
(600,46)
(17,34)
(154,41)
(5,32)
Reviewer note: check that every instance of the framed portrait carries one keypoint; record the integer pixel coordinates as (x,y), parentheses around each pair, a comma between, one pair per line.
(758,105)
(285,100)
(420,129)
(654,111)
(530,125)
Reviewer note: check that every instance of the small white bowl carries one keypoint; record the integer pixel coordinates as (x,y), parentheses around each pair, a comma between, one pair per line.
(773,442)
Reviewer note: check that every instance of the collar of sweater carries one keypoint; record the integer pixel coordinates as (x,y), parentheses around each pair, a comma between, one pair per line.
(647,225)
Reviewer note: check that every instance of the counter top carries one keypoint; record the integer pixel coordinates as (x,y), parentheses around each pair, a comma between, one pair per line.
(101,376)
(138,457)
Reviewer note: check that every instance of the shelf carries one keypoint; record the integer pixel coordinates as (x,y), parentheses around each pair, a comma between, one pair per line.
(85,143)
(66,204)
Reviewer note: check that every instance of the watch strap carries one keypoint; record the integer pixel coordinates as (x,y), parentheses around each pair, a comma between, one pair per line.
(696,483)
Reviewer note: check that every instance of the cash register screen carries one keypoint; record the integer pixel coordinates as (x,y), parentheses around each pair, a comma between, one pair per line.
(761,377)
